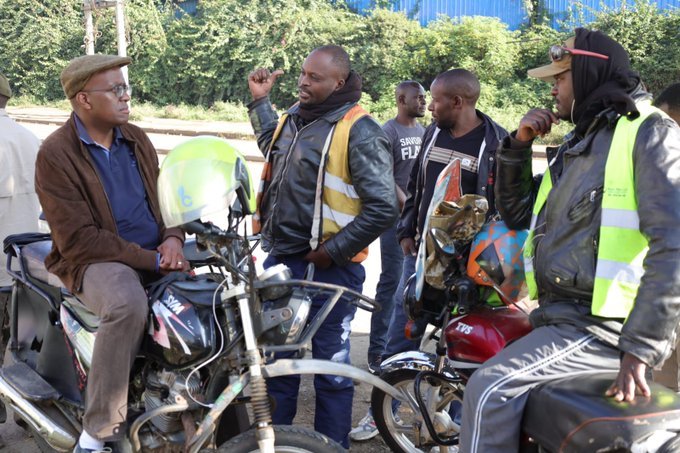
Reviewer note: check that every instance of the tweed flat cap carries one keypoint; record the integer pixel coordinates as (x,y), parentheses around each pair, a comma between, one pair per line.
(5,89)
(77,73)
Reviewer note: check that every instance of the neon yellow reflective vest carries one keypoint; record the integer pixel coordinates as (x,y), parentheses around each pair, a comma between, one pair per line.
(622,247)
(336,202)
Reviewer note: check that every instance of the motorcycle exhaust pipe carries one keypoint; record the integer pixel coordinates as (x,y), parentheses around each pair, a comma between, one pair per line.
(56,436)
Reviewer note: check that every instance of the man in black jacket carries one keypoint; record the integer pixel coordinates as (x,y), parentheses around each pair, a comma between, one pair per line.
(604,269)
(327,192)
(459,131)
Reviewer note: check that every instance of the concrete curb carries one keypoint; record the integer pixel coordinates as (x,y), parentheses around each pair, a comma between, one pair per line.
(58,121)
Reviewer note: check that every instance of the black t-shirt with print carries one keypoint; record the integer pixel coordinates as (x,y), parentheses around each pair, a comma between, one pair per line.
(446,147)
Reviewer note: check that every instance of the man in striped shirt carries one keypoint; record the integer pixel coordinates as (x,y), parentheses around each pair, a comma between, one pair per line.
(461,131)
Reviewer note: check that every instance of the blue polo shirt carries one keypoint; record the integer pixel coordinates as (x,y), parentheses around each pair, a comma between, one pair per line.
(118,171)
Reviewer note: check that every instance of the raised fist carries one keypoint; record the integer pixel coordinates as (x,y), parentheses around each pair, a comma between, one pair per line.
(261,81)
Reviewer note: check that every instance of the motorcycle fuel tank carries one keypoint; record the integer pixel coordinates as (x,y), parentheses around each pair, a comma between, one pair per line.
(479,335)
(181,332)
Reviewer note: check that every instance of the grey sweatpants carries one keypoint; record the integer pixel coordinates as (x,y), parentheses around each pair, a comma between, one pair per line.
(497,392)
(114,293)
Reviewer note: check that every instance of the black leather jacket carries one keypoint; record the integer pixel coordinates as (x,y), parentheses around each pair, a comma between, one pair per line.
(295,162)
(415,208)
(568,230)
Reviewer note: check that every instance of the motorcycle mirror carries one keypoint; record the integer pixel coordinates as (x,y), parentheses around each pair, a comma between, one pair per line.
(443,244)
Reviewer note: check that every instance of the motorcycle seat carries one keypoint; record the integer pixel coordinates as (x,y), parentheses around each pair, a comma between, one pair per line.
(87,319)
(33,256)
(573,415)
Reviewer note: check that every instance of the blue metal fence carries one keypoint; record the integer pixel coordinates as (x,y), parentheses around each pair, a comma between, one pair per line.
(511,12)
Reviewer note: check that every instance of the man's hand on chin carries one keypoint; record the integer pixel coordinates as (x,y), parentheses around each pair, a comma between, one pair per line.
(172,256)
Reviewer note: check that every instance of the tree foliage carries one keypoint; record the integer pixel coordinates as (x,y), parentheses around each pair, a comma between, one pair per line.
(38,38)
(651,37)
(205,59)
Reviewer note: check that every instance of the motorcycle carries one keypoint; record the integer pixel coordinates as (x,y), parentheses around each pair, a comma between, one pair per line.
(476,314)
(211,337)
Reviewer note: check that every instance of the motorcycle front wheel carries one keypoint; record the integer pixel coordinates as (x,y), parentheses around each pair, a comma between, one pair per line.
(288,439)
(398,424)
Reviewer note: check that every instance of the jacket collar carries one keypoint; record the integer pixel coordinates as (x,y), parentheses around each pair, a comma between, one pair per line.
(123,130)
(332,117)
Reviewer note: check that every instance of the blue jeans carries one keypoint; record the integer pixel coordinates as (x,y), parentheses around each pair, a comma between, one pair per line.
(333,414)
(396,338)
(392,263)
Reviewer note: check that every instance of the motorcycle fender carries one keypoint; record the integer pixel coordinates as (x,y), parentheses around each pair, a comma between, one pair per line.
(414,360)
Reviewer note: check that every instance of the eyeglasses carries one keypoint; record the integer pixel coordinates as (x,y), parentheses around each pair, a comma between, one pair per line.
(557,53)
(118,90)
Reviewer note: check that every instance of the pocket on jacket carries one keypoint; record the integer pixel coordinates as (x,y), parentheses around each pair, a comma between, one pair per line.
(586,205)
(560,276)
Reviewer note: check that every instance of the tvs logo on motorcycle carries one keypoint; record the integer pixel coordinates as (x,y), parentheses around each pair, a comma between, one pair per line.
(462,327)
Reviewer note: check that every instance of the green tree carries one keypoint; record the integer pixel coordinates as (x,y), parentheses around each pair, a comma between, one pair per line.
(482,45)
(651,37)
(38,38)
(145,39)
(379,53)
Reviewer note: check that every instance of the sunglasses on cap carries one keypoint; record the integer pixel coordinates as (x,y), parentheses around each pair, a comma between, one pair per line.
(557,53)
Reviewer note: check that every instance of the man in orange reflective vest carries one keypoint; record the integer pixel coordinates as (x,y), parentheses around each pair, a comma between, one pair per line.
(326,193)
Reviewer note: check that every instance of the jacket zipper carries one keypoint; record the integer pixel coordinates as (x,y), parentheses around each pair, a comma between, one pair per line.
(285,170)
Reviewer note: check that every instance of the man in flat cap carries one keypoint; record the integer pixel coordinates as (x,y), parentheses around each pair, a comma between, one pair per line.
(96,179)
(602,252)
(19,207)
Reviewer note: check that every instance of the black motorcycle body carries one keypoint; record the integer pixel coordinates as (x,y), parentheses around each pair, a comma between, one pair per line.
(51,340)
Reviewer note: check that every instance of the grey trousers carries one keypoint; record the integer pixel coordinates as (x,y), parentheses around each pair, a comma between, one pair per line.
(113,292)
(497,392)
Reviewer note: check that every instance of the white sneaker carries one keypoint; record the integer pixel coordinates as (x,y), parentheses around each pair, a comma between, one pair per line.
(365,430)
(451,449)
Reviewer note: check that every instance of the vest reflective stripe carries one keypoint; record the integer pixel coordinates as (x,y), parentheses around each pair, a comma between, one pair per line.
(332,182)
(618,271)
(337,202)
(317,215)
(528,253)
(620,218)
(622,248)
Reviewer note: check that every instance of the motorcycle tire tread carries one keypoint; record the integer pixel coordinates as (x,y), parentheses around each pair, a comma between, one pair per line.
(289,436)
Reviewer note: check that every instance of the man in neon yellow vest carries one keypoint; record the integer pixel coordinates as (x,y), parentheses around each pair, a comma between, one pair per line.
(327,192)
(602,254)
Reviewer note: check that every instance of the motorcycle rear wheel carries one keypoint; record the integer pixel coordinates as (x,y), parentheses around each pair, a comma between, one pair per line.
(288,439)
(397,426)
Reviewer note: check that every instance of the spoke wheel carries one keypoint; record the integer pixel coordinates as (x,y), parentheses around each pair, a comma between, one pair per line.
(399,425)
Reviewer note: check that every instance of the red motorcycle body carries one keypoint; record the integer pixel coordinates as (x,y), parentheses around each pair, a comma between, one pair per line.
(481,334)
